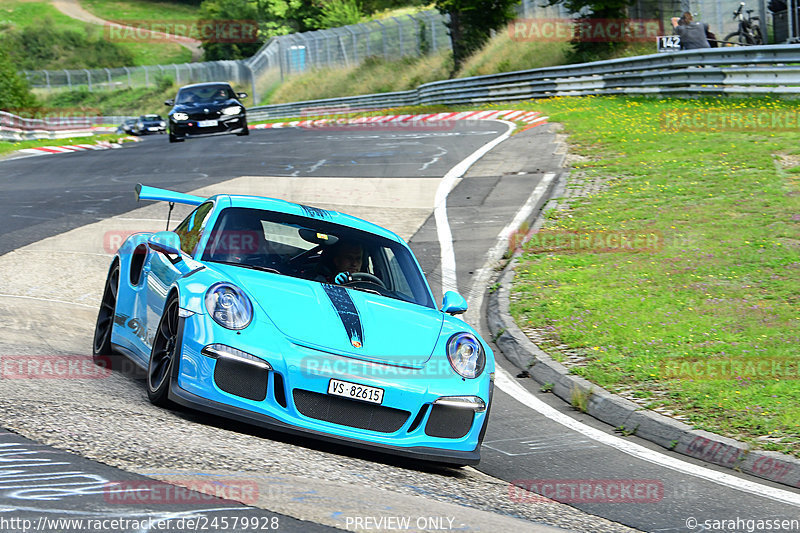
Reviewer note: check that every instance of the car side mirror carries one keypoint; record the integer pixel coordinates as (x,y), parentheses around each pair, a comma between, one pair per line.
(166,242)
(453,303)
(241,95)
(169,102)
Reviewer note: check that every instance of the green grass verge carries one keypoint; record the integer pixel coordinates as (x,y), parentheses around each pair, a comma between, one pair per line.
(722,285)
(21,13)
(375,75)
(8,147)
(136,10)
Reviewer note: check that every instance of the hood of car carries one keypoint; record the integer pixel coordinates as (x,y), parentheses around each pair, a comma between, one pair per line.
(336,319)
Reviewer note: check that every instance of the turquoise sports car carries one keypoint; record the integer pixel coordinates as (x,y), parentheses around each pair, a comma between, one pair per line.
(299,319)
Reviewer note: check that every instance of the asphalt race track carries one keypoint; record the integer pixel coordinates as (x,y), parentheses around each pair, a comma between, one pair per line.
(72,439)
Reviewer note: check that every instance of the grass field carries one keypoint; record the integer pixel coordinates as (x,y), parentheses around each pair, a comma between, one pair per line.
(21,13)
(718,285)
(135,10)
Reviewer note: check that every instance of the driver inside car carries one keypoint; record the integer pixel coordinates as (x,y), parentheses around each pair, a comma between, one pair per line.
(339,262)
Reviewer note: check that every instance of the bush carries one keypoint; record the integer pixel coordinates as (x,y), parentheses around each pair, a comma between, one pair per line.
(14,91)
(42,46)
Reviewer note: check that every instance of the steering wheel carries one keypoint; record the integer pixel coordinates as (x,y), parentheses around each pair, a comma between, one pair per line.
(366,277)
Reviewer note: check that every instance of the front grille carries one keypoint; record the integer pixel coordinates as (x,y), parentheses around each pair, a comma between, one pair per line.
(348,412)
(204,116)
(241,379)
(449,422)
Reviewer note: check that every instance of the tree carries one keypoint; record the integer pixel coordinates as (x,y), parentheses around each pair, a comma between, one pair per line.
(14,91)
(584,51)
(471,23)
(273,17)
(228,12)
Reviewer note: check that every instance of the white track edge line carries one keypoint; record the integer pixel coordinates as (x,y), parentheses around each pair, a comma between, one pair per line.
(447,252)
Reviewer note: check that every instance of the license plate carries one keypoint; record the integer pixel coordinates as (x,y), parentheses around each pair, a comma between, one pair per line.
(152,129)
(207,123)
(355,391)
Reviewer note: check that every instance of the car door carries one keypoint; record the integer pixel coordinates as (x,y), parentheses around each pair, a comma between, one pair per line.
(165,270)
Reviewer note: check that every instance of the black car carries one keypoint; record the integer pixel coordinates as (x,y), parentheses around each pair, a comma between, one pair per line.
(127,126)
(206,109)
(147,124)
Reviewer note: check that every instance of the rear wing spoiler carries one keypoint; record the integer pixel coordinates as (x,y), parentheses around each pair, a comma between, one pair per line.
(143,192)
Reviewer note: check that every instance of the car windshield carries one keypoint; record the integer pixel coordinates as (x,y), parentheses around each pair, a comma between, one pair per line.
(151,117)
(316,250)
(205,94)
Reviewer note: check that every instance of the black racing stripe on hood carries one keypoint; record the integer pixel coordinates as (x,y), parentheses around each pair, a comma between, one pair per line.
(347,311)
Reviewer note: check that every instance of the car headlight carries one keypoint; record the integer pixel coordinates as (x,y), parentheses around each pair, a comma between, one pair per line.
(466,355)
(139,125)
(162,123)
(180,116)
(232,110)
(228,306)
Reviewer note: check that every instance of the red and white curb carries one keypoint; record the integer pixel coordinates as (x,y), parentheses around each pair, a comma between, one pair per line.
(531,118)
(100,145)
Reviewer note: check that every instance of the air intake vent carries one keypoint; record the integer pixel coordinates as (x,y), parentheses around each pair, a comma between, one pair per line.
(449,422)
(241,379)
(350,413)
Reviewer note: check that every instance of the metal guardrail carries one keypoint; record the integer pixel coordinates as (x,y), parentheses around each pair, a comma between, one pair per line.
(753,70)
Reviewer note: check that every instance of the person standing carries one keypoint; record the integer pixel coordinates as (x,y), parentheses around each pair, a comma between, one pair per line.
(692,33)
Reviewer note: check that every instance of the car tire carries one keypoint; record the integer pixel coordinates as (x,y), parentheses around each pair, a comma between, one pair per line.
(101,347)
(245,131)
(174,139)
(163,355)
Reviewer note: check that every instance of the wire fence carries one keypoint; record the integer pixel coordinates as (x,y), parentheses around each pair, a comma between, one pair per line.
(409,35)
(415,35)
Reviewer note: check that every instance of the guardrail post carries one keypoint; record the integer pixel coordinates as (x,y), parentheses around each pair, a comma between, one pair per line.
(177,75)
(69,80)
(46,78)
(128,74)
(88,79)
(108,71)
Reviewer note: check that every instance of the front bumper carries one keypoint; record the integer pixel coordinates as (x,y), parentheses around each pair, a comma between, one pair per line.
(294,398)
(225,124)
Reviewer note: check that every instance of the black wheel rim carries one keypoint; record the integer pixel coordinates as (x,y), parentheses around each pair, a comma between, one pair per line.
(105,318)
(163,347)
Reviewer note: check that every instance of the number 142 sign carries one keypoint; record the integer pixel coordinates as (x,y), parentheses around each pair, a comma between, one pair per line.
(669,43)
